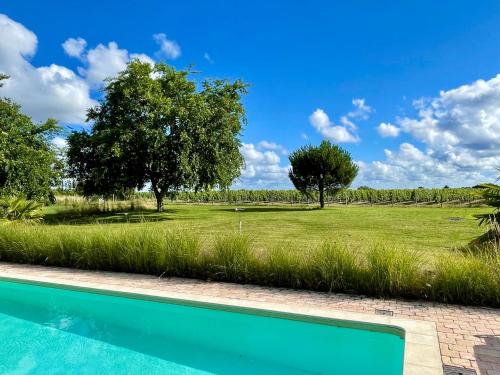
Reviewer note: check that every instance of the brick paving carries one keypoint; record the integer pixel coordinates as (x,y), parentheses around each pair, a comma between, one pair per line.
(469,337)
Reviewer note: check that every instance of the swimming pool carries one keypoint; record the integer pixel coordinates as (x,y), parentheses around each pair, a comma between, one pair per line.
(46,329)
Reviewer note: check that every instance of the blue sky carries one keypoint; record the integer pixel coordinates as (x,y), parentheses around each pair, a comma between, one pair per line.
(409,88)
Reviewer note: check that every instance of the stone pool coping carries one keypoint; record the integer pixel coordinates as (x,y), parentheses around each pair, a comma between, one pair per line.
(422,352)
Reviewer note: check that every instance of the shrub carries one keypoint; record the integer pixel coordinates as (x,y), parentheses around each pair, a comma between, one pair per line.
(491,196)
(20,210)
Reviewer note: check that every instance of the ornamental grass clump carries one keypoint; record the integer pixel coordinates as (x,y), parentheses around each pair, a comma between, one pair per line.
(180,255)
(285,266)
(231,258)
(392,271)
(23,244)
(467,278)
(335,267)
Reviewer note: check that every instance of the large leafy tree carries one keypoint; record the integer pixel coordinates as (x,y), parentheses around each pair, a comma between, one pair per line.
(153,126)
(27,159)
(326,168)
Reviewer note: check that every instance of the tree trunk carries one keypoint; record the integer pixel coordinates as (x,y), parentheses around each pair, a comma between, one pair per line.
(321,187)
(159,202)
(159,194)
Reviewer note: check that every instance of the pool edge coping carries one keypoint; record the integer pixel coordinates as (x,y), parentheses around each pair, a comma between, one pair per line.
(421,353)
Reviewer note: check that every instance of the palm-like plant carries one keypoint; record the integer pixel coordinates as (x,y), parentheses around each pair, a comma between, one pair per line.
(20,210)
(491,195)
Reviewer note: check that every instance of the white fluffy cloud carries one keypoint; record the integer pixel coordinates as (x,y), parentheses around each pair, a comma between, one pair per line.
(60,142)
(463,119)
(54,90)
(74,47)
(388,130)
(337,133)
(410,167)
(263,167)
(45,91)
(105,61)
(460,132)
(168,48)
(362,110)
(273,146)
(345,132)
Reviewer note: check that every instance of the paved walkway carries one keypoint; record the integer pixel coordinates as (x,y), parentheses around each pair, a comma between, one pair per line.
(469,336)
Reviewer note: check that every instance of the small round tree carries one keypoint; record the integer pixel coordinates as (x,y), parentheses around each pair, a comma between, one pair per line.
(327,167)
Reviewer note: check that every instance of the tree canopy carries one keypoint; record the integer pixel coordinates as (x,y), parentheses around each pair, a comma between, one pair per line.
(327,167)
(27,159)
(154,127)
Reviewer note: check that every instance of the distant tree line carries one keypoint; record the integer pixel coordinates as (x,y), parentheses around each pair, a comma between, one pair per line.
(346,196)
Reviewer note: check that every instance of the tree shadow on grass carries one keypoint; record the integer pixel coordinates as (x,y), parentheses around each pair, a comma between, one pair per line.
(267,209)
(110,217)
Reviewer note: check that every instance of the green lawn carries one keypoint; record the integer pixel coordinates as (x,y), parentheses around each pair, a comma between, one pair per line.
(429,229)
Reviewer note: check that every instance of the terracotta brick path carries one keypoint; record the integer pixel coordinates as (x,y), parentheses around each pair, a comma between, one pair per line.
(469,336)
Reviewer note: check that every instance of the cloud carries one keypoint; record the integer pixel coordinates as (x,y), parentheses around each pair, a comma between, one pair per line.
(273,146)
(388,130)
(207,57)
(463,119)
(345,132)
(59,142)
(168,48)
(460,132)
(54,90)
(263,168)
(409,167)
(304,136)
(104,61)
(344,120)
(321,122)
(74,47)
(142,57)
(362,110)
(44,91)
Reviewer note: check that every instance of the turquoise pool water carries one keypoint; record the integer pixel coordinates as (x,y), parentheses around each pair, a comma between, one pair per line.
(47,330)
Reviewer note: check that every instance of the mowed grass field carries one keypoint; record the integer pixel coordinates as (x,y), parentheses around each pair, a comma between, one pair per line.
(427,229)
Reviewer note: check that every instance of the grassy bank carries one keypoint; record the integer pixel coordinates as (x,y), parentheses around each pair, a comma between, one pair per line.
(376,269)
